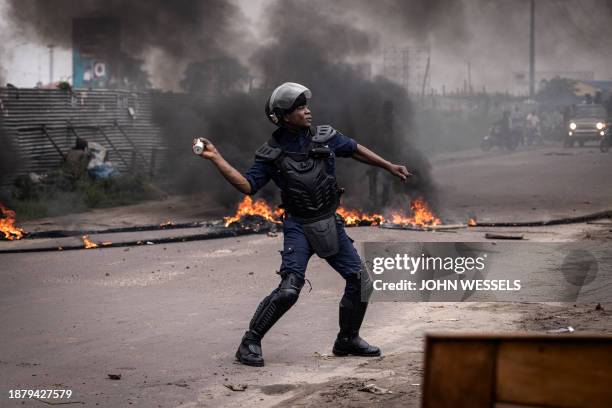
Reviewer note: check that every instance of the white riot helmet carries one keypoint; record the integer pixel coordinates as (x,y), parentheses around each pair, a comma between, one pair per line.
(284,99)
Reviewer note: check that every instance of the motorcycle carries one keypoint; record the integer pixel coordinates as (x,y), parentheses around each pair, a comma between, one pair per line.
(508,140)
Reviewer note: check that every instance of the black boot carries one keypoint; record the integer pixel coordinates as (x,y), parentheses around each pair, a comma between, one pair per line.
(352,311)
(249,351)
(268,312)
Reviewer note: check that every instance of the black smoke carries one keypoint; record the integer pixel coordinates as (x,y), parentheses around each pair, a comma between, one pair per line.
(307,44)
(8,154)
(374,111)
(344,94)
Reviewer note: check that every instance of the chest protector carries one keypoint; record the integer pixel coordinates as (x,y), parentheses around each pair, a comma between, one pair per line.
(311,195)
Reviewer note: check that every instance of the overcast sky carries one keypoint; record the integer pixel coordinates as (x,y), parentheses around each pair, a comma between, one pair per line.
(496,45)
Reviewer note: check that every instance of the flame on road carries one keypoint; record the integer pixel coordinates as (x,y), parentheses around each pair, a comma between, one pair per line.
(355,217)
(7,224)
(472,222)
(168,223)
(259,207)
(88,243)
(421,216)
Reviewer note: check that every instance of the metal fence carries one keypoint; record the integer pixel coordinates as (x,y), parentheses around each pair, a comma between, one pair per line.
(43,124)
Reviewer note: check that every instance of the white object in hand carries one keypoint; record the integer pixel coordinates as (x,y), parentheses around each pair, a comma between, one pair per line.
(198,148)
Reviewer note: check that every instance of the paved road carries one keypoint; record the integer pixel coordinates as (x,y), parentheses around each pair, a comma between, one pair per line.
(543,183)
(168,317)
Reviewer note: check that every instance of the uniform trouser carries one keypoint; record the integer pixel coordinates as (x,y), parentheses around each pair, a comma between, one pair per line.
(295,256)
(297,252)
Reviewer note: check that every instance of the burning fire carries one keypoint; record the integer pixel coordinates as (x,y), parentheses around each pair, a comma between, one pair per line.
(355,217)
(88,243)
(7,224)
(472,222)
(168,223)
(421,215)
(259,207)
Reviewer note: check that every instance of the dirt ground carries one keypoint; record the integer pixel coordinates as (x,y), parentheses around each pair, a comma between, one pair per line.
(399,375)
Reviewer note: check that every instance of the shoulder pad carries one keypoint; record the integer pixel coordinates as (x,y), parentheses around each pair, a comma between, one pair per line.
(323,133)
(267,152)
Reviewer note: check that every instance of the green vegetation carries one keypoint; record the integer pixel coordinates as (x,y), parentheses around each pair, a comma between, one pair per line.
(60,193)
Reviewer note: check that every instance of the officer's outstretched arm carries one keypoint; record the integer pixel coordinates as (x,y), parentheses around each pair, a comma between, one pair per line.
(232,175)
(365,155)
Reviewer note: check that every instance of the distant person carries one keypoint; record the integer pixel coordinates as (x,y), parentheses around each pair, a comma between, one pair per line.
(504,124)
(533,121)
(516,119)
(75,162)
(532,128)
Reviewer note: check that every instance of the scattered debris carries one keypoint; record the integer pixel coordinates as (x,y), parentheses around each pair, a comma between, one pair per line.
(559,221)
(489,235)
(236,387)
(568,329)
(316,354)
(375,389)
(599,307)
(150,243)
(272,234)
(180,383)
(114,376)
(605,223)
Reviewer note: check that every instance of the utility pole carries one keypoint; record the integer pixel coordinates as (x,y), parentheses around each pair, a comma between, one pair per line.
(425,80)
(469,68)
(532,51)
(50,46)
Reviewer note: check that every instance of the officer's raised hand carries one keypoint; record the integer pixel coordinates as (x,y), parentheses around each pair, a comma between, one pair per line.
(210,152)
(399,171)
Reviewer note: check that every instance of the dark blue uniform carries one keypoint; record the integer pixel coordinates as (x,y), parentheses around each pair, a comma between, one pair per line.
(296,249)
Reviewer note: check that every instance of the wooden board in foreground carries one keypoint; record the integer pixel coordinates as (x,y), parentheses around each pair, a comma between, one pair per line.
(518,371)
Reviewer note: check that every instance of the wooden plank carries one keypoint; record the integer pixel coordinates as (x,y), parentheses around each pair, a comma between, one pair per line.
(574,373)
(459,374)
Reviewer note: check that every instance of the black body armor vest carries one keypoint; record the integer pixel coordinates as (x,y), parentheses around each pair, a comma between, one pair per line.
(311,193)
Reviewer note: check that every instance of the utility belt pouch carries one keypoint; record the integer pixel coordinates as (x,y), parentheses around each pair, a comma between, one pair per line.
(323,236)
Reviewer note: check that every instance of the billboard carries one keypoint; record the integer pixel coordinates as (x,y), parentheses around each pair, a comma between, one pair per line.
(95,51)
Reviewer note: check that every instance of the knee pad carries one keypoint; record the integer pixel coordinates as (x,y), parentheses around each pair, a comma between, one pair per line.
(289,289)
(366,285)
(359,287)
(276,304)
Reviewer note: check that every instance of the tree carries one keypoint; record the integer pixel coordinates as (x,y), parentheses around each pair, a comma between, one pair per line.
(556,89)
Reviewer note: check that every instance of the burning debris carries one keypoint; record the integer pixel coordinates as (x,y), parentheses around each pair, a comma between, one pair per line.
(422,215)
(254,211)
(88,243)
(357,218)
(7,224)
(259,211)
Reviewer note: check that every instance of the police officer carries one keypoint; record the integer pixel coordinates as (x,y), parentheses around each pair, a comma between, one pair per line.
(300,159)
